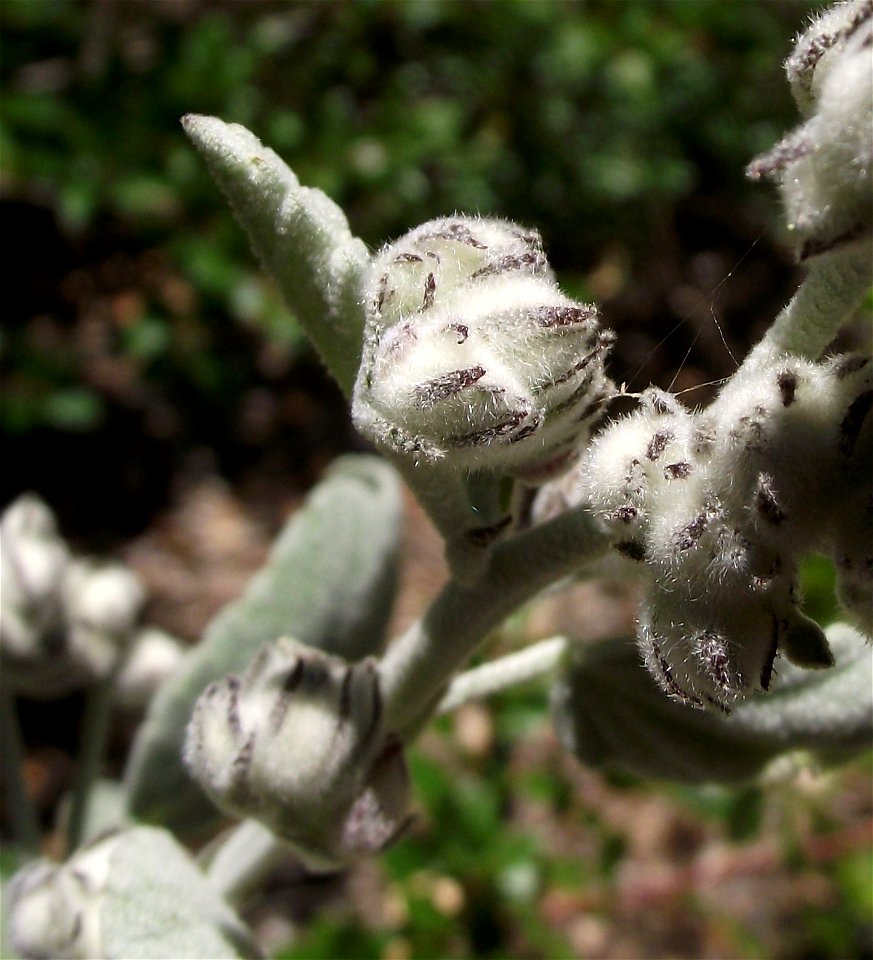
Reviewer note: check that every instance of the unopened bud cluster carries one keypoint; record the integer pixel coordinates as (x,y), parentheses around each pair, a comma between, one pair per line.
(825,167)
(473,356)
(297,743)
(722,505)
(63,620)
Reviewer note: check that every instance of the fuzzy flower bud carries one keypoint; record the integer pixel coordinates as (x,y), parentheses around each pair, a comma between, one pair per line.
(722,505)
(53,908)
(825,167)
(33,563)
(297,743)
(154,656)
(33,559)
(63,621)
(101,603)
(129,893)
(472,354)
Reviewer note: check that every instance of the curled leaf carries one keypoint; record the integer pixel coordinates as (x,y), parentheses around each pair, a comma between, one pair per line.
(610,713)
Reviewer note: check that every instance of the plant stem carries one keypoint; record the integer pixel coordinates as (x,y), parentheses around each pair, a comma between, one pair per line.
(22,813)
(244,859)
(419,664)
(509,671)
(834,288)
(446,497)
(95,734)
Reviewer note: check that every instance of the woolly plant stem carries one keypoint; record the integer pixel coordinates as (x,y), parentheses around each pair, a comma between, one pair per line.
(22,813)
(512,670)
(833,289)
(95,735)
(417,667)
(249,853)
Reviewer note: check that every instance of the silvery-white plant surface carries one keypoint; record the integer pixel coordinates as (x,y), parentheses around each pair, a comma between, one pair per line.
(486,389)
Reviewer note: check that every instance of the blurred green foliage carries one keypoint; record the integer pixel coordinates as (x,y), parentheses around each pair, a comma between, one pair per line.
(594,121)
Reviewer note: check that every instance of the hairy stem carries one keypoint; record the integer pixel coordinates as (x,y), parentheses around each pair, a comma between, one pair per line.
(248,854)
(833,289)
(418,665)
(22,813)
(95,734)
(509,671)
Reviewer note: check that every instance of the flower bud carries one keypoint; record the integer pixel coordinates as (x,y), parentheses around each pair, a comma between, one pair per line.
(820,48)
(131,893)
(101,604)
(53,908)
(63,621)
(473,356)
(825,167)
(722,505)
(297,743)
(154,656)
(33,559)
(33,563)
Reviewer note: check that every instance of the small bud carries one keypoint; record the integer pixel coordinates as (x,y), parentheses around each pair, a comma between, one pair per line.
(33,559)
(130,893)
(722,505)
(33,563)
(53,908)
(825,167)
(297,743)
(472,354)
(101,604)
(154,656)
(819,49)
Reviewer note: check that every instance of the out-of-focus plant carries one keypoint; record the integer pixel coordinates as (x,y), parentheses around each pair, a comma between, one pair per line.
(481,381)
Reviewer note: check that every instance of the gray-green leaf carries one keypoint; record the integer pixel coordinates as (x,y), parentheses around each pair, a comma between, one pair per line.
(301,236)
(329,582)
(609,713)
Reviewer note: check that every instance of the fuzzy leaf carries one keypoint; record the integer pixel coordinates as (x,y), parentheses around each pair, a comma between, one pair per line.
(157,903)
(329,582)
(609,713)
(301,236)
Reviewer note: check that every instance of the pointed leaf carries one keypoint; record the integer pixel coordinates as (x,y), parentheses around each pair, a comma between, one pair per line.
(329,582)
(299,233)
(609,713)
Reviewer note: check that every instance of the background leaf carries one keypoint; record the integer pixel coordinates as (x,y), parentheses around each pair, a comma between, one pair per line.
(610,713)
(329,582)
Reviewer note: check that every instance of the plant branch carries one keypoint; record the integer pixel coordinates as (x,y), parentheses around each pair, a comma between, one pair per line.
(22,813)
(509,671)
(418,665)
(95,734)
(247,855)
(832,290)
